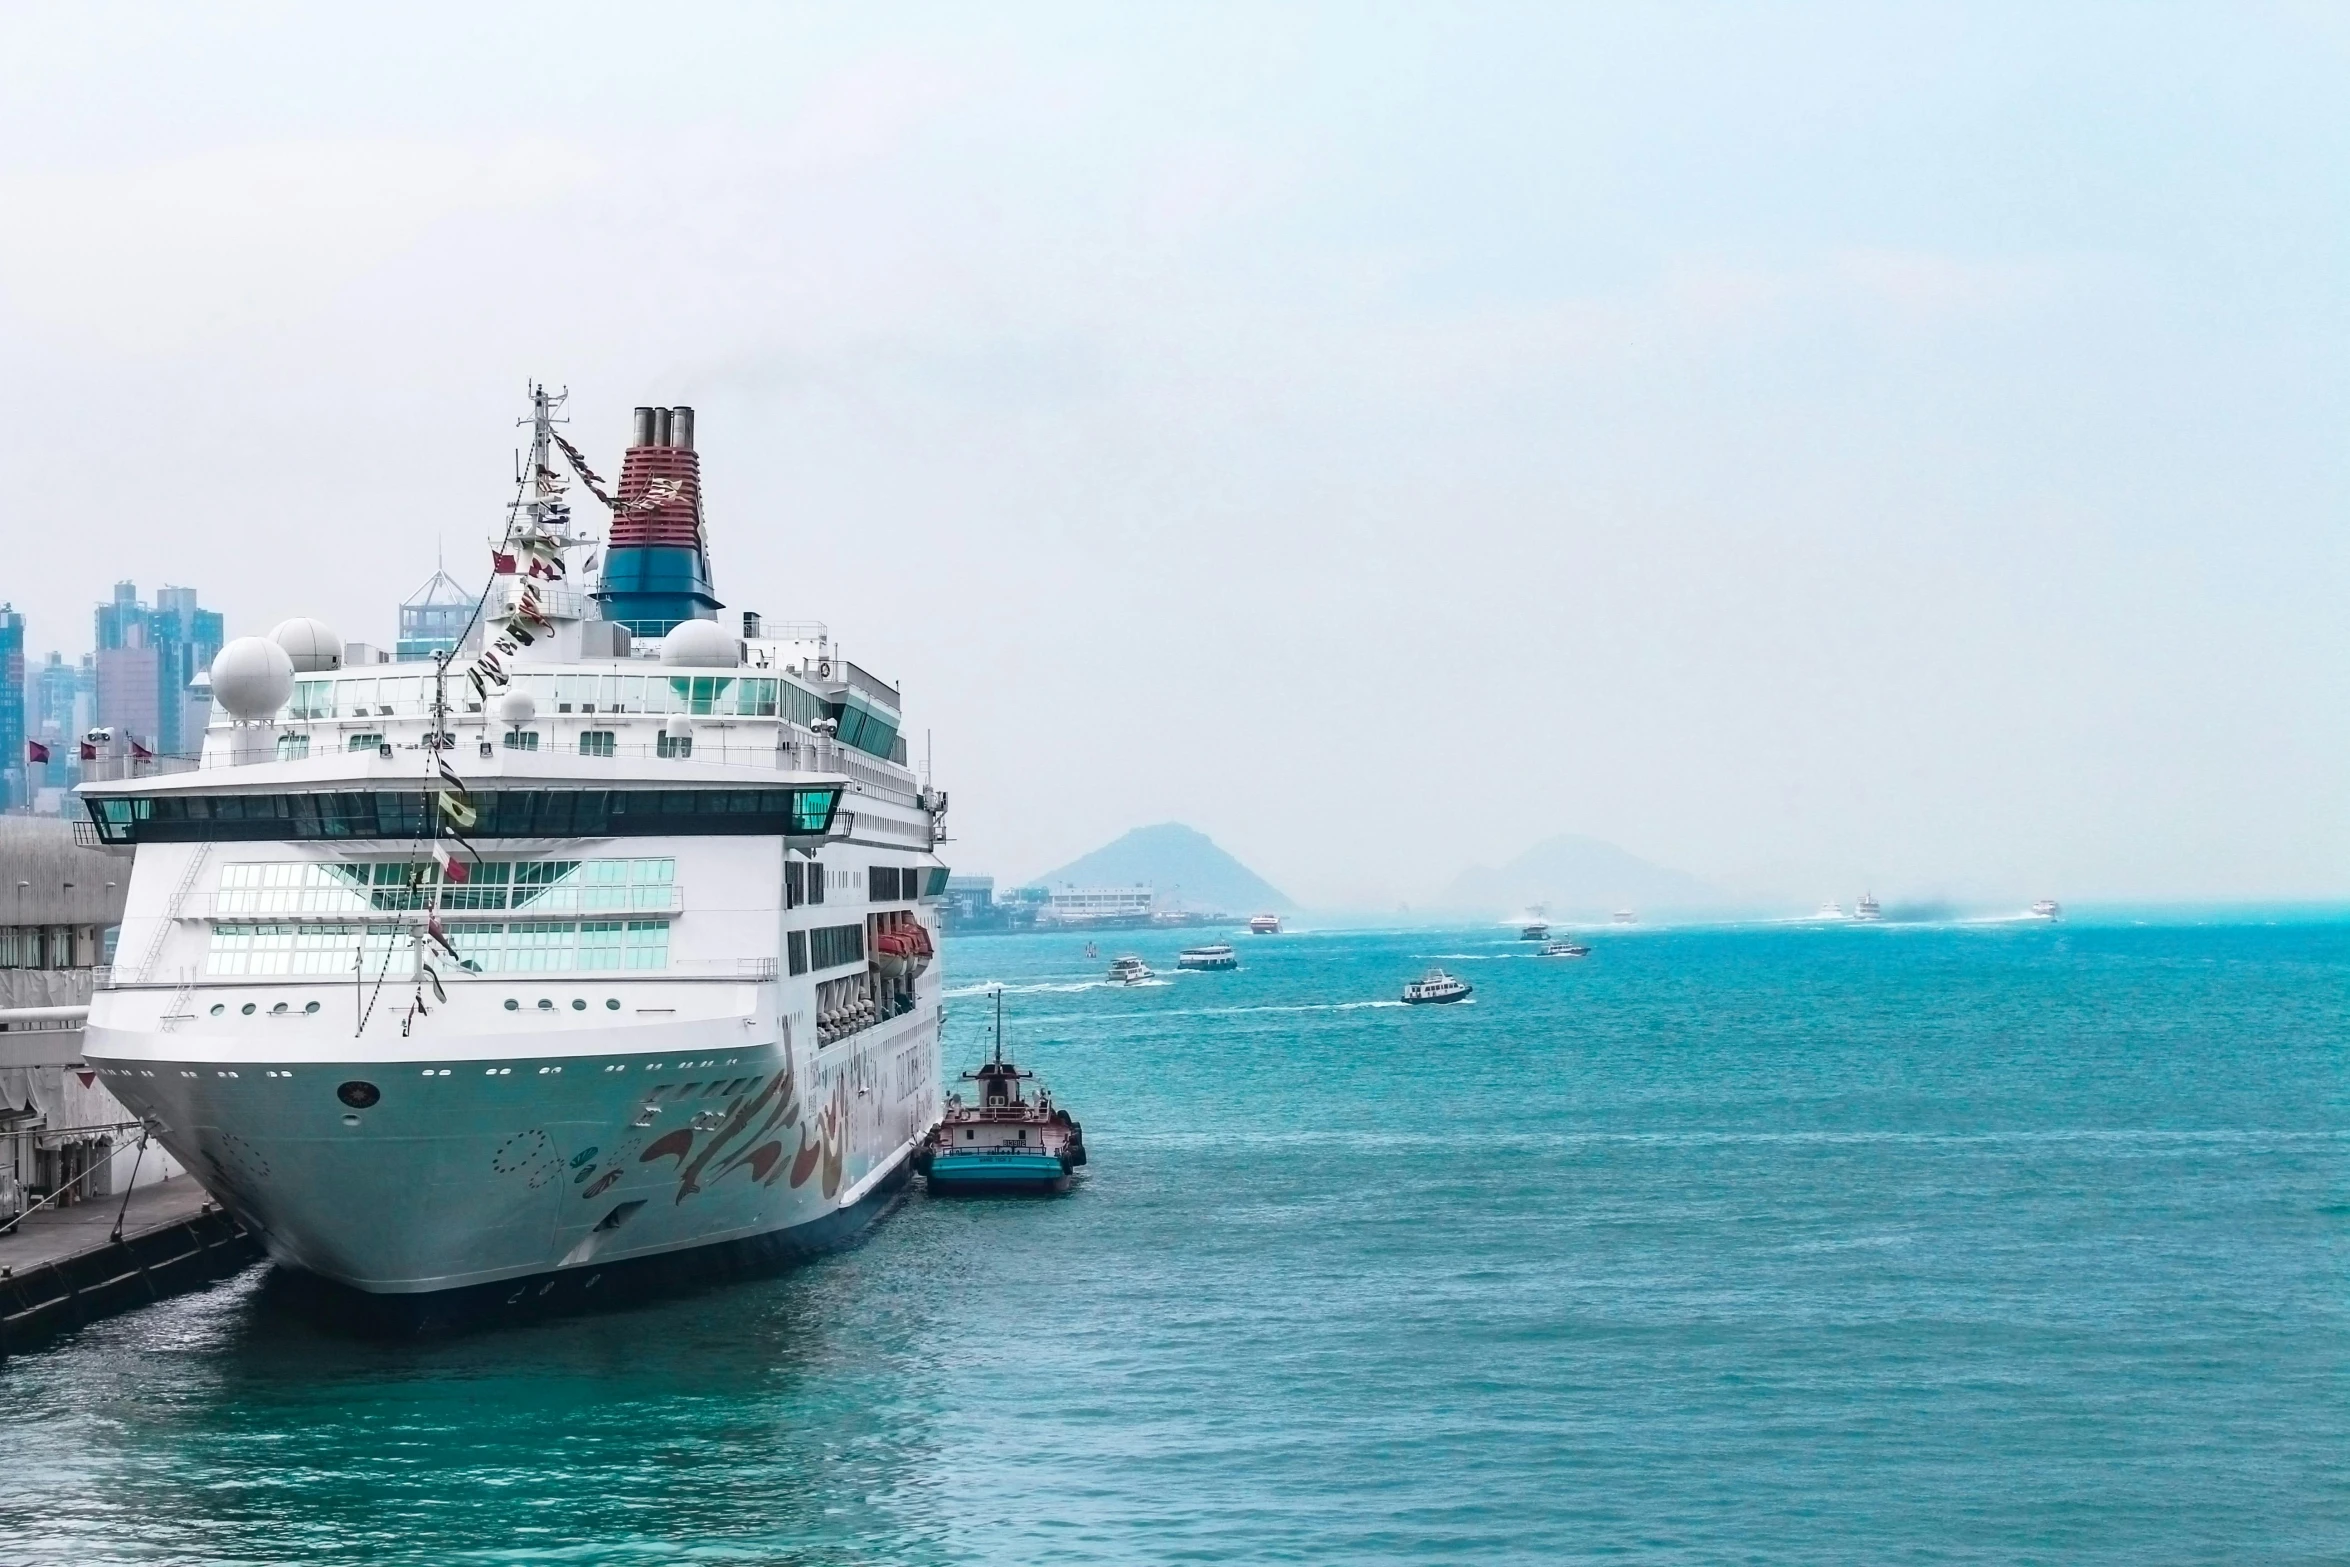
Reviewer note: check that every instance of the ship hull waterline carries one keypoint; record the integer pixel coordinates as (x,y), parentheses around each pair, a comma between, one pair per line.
(466,1189)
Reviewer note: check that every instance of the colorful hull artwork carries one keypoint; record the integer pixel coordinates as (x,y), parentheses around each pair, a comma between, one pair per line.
(476,1173)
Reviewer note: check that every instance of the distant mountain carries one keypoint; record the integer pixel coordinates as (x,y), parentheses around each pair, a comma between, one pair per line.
(1184,867)
(1580,878)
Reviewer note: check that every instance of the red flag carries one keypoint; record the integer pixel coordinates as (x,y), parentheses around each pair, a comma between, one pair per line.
(89,752)
(35,751)
(503,565)
(141,752)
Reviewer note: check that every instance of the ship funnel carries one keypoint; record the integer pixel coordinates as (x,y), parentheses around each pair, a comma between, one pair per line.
(656,569)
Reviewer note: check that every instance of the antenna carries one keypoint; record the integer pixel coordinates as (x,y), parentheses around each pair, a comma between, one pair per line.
(999,1025)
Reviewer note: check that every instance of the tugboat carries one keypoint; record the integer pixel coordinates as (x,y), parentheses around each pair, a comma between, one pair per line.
(1265,925)
(1434,988)
(1565,949)
(1215,956)
(1129,971)
(1006,1142)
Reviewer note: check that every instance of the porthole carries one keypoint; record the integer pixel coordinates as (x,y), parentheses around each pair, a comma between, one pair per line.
(247,1009)
(578,1005)
(545,1005)
(358,1095)
(218,1007)
(513,1005)
(612,1005)
(309,1006)
(278,1011)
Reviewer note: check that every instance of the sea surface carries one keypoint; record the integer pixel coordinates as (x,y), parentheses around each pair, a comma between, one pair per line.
(1950,1244)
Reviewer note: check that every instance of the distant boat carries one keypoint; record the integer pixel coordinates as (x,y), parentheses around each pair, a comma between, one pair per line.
(1434,987)
(1265,925)
(1866,909)
(1566,949)
(1829,911)
(1627,917)
(1129,971)
(1215,956)
(2048,909)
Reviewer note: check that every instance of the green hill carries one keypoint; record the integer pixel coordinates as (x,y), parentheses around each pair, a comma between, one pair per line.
(1185,869)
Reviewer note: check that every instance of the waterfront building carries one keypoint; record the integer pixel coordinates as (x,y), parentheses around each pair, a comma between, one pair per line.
(434,618)
(15,770)
(60,906)
(148,659)
(969,897)
(1097,905)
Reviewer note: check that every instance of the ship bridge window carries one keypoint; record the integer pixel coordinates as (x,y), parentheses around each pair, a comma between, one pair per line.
(501,813)
(400,886)
(667,744)
(596,742)
(522,740)
(356,742)
(292,748)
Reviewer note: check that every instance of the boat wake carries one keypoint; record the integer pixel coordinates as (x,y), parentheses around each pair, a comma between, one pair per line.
(1042,988)
(1312,1006)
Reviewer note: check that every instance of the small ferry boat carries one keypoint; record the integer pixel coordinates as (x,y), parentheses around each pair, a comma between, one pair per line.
(1005,1142)
(1534,930)
(1265,925)
(1830,910)
(1129,971)
(2048,909)
(1626,917)
(1565,949)
(1214,956)
(1866,910)
(1434,987)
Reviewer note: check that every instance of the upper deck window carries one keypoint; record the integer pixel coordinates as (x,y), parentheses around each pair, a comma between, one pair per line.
(722,696)
(502,813)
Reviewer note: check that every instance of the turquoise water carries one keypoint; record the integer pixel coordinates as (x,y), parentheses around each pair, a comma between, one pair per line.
(1861,1245)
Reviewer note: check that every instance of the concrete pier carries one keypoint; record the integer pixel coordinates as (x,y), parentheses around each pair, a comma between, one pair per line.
(61,1267)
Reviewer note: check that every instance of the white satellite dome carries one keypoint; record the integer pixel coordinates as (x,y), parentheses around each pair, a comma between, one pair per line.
(678,727)
(514,707)
(252,678)
(311,644)
(701,644)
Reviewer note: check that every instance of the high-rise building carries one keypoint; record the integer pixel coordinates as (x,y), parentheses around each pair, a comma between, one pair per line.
(147,662)
(15,771)
(433,618)
(61,704)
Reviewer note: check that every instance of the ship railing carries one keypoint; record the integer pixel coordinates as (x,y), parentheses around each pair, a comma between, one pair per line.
(725,968)
(713,747)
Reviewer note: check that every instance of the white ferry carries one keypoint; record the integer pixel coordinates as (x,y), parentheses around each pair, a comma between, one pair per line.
(1434,988)
(1129,971)
(1216,955)
(1265,925)
(1868,911)
(596,953)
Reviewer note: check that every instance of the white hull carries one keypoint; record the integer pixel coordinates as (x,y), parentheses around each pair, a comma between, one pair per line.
(505,1153)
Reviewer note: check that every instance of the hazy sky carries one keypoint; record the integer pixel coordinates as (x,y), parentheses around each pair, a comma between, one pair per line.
(1811,447)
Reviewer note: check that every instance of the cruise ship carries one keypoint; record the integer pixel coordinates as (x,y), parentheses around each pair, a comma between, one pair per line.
(594,954)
